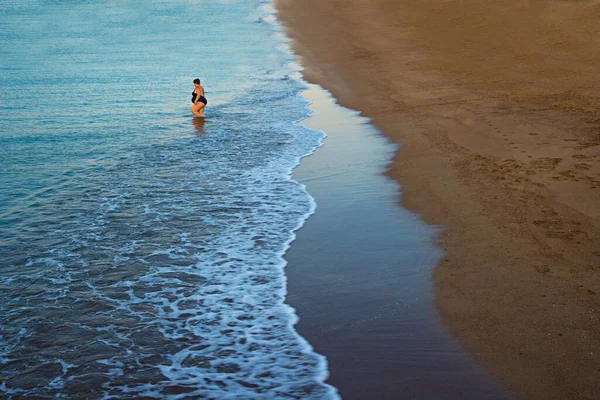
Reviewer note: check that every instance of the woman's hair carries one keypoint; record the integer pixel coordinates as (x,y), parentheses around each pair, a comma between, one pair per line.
(197,81)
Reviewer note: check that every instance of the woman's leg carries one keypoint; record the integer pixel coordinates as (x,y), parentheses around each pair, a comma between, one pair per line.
(198,109)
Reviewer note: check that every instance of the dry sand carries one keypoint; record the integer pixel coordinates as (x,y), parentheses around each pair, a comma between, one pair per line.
(497,108)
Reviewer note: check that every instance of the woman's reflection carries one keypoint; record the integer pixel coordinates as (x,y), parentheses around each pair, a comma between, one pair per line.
(198,123)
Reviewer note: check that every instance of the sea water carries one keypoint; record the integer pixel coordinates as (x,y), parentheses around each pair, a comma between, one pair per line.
(140,248)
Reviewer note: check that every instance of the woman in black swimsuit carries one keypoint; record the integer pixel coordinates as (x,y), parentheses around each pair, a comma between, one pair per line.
(198,99)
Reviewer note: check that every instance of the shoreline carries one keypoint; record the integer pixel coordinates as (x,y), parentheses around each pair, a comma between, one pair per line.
(359,273)
(512,173)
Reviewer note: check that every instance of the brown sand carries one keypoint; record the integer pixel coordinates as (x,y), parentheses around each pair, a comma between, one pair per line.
(496,105)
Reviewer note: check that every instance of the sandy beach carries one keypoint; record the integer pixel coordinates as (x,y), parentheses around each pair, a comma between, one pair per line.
(496,108)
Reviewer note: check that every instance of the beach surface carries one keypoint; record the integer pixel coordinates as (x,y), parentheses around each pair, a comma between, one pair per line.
(359,273)
(496,108)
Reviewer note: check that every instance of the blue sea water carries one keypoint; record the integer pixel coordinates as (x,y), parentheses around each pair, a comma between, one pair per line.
(140,248)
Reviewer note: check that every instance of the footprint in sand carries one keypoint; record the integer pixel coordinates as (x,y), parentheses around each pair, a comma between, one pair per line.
(582,166)
(546,162)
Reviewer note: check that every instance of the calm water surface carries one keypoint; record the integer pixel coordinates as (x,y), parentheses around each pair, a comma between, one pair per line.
(140,249)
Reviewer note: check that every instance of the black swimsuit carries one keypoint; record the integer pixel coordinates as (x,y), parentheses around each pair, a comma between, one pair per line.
(202,98)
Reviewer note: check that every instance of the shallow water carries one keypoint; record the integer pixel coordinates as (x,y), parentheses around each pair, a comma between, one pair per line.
(141,249)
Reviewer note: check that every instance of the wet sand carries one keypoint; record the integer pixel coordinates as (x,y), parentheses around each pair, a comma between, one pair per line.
(359,274)
(496,108)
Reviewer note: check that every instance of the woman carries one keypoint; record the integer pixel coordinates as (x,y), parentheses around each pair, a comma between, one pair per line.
(198,99)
